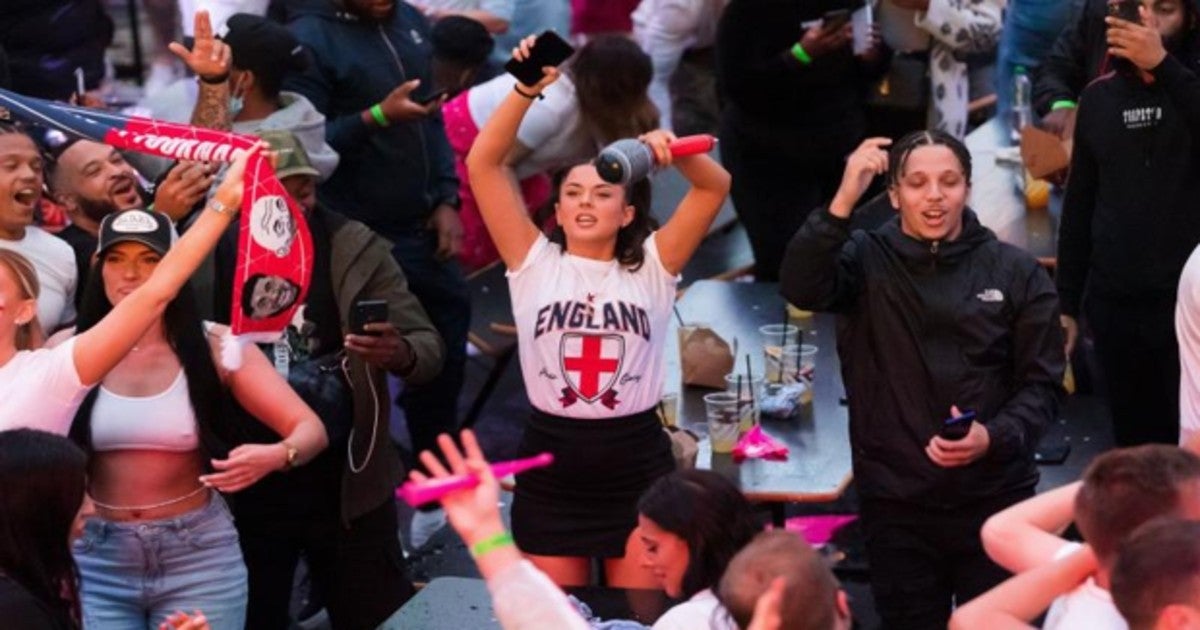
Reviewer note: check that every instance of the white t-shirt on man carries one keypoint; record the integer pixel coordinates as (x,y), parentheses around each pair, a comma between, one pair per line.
(590,333)
(40,389)
(57,274)
(1088,606)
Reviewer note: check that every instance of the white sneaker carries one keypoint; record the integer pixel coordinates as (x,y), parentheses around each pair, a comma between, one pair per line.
(424,525)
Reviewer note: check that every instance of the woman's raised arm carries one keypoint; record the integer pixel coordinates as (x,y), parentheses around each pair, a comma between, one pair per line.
(492,182)
(102,346)
(688,225)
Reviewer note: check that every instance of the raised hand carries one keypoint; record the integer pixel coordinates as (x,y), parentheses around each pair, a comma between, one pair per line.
(1141,43)
(549,73)
(867,162)
(474,512)
(210,58)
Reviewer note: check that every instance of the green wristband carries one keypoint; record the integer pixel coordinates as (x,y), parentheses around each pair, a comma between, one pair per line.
(491,543)
(377,114)
(1063,104)
(800,54)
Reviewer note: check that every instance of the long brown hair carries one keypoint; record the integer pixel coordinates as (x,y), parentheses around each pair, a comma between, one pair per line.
(611,76)
(29,335)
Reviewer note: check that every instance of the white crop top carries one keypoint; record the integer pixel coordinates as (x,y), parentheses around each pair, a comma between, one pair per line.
(162,422)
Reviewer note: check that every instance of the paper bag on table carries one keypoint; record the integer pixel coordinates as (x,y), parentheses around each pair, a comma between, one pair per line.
(704,357)
(1044,153)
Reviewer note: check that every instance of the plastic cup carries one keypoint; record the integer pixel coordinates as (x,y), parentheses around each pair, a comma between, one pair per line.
(721,413)
(801,361)
(751,394)
(668,409)
(776,337)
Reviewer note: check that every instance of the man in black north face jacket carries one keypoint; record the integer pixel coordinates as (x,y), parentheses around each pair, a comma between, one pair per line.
(958,319)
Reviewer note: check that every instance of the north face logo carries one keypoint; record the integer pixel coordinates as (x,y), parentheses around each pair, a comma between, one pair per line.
(990,295)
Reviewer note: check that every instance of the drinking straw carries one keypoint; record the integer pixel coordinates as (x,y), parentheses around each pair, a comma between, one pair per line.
(750,379)
(783,329)
(662,413)
(677,315)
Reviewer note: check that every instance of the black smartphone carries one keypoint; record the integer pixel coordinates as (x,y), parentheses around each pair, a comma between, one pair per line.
(833,20)
(367,312)
(426,100)
(956,428)
(1126,10)
(548,50)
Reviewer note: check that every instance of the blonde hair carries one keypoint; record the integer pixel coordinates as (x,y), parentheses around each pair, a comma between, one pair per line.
(29,334)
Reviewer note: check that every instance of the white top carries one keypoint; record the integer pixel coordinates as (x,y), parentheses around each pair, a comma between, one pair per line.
(701,612)
(162,422)
(54,261)
(502,9)
(665,29)
(590,333)
(523,598)
(40,389)
(1088,606)
(1187,329)
(552,128)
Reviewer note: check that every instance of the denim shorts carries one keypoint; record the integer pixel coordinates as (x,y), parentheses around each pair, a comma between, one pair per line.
(133,575)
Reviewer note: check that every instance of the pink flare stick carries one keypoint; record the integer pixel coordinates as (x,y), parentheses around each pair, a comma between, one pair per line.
(419,493)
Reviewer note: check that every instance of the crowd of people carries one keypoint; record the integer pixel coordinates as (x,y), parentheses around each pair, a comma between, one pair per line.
(414,159)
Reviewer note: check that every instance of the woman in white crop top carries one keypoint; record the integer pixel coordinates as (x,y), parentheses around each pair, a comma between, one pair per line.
(592,305)
(157,429)
(41,389)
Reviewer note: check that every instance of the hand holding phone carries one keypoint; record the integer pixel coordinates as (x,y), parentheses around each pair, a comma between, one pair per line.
(1126,10)
(432,98)
(956,427)
(547,50)
(834,20)
(367,312)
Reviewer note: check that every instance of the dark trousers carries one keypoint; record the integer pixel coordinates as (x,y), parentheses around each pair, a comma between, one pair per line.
(358,571)
(1139,354)
(923,560)
(440,286)
(774,191)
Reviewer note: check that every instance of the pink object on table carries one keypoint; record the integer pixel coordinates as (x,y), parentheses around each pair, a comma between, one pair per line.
(756,444)
(818,529)
(414,493)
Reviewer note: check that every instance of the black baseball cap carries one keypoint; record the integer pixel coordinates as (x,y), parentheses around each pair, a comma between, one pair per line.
(263,46)
(150,228)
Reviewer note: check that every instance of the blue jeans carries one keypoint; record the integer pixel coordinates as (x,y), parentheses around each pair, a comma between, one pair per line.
(1030,29)
(432,408)
(133,575)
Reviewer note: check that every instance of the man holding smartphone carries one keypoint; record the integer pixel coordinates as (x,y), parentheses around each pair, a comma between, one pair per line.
(1129,218)
(359,323)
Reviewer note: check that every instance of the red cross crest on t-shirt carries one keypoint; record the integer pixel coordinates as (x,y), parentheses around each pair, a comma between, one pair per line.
(590,365)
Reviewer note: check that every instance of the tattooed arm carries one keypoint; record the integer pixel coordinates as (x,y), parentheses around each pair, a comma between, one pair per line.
(210,59)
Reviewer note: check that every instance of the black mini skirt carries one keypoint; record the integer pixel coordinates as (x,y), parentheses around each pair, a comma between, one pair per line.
(585,503)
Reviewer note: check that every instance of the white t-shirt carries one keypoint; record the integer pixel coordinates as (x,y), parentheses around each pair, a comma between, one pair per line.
(1088,606)
(701,612)
(40,389)
(552,128)
(57,274)
(665,29)
(1187,330)
(590,333)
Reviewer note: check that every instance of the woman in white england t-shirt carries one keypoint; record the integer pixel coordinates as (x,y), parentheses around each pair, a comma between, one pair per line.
(41,389)
(592,305)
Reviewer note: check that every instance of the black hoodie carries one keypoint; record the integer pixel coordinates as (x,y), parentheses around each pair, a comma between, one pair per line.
(922,326)
(1130,217)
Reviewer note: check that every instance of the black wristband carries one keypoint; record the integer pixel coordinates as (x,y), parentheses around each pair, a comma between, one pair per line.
(537,95)
(217,81)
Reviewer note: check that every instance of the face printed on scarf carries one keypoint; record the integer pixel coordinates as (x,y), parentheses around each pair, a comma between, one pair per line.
(931,194)
(20,181)
(272,225)
(265,296)
(96,178)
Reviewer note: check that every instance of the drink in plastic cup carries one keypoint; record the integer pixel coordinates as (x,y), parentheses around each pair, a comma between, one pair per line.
(775,337)
(721,413)
(751,394)
(668,409)
(802,360)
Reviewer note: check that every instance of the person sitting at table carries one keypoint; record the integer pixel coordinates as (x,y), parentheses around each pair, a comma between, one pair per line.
(936,317)
(691,522)
(1129,217)
(592,304)
(780,575)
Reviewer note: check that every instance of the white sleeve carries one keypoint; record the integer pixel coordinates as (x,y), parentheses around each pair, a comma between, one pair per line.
(547,118)
(47,392)
(652,257)
(523,598)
